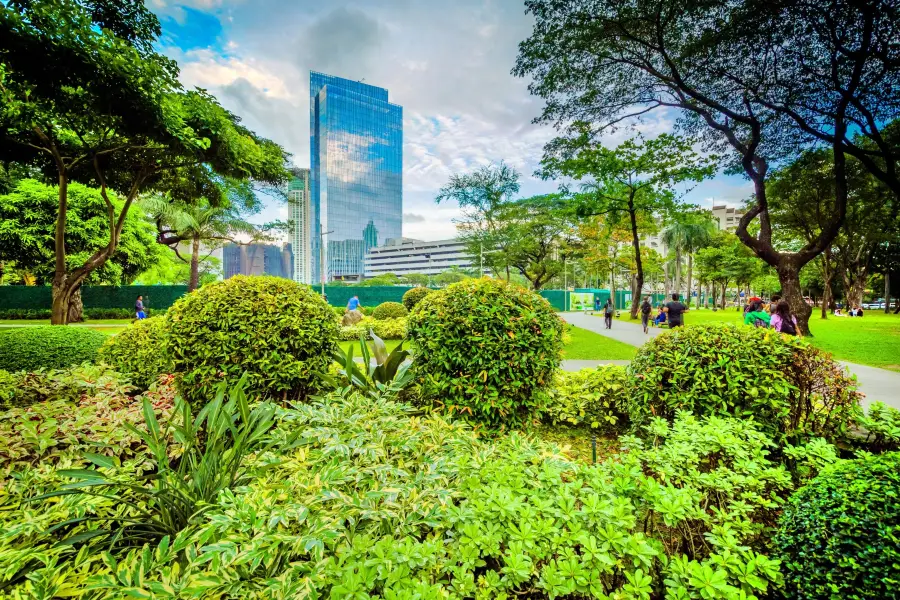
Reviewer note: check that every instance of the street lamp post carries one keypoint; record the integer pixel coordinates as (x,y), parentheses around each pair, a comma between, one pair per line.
(322,257)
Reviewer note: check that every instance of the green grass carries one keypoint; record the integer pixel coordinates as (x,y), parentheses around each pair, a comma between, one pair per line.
(587,345)
(583,345)
(872,340)
(122,324)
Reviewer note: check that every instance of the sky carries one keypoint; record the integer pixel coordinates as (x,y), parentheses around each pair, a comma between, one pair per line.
(447,63)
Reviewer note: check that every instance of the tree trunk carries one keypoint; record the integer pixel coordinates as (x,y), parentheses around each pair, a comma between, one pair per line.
(195,265)
(789,277)
(887,292)
(678,271)
(638,264)
(76,307)
(690,280)
(59,314)
(827,275)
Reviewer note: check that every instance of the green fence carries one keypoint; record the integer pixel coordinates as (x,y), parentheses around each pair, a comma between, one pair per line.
(158,297)
(161,297)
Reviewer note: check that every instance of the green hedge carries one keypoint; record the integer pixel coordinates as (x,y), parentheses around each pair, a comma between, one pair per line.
(48,347)
(157,297)
(839,536)
(389,310)
(140,351)
(279,332)
(486,349)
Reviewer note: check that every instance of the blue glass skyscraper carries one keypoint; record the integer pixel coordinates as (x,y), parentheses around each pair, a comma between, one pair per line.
(356,172)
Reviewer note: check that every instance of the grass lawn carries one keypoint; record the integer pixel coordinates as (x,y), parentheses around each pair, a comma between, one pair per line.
(120,323)
(872,340)
(583,345)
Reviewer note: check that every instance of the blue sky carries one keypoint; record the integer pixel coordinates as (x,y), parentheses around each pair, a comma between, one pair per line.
(446,63)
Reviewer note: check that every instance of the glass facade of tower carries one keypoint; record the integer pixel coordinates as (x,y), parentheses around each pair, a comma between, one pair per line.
(300,230)
(356,174)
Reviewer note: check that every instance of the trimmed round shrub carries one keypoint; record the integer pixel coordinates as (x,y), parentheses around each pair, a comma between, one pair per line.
(140,351)
(48,347)
(486,349)
(389,310)
(277,331)
(414,296)
(789,387)
(389,329)
(591,397)
(838,536)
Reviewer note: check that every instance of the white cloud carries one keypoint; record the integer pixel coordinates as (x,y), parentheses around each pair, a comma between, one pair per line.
(206,69)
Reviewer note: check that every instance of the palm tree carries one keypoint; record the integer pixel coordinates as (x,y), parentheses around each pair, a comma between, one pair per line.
(687,237)
(178,222)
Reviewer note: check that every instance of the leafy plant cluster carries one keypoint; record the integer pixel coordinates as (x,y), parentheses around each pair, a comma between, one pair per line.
(358,496)
(415,295)
(140,351)
(790,388)
(389,310)
(838,537)
(593,397)
(881,424)
(388,329)
(48,347)
(82,410)
(487,349)
(277,332)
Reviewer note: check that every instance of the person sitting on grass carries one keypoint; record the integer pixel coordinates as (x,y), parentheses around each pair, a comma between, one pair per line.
(757,316)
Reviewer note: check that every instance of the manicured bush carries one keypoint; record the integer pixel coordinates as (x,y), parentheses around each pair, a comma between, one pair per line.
(414,296)
(592,397)
(140,351)
(486,349)
(352,332)
(389,329)
(839,536)
(277,331)
(48,347)
(88,313)
(389,310)
(789,387)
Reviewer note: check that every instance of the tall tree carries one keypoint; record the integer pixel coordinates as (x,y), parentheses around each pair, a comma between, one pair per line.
(634,181)
(754,78)
(686,235)
(101,107)
(481,195)
(28,214)
(197,224)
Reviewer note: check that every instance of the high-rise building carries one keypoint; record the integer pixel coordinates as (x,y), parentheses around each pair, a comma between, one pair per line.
(301,225)
(356,173)
(257,259)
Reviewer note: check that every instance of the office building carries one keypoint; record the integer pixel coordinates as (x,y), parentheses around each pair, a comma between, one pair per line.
(727,217)
(356,173)
(258,259)
(301,226)
(402,256)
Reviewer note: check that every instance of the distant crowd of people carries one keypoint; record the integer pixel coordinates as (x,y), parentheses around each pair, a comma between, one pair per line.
(776,315)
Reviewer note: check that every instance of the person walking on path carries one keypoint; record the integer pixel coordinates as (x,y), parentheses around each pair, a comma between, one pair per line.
(645,314)
(675,310)
(756,315)
(782,319)
(608,313)
(139,308)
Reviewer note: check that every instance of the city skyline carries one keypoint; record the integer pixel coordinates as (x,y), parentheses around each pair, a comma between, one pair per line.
(447,64)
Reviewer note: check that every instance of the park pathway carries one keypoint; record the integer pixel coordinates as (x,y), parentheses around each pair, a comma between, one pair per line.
(876,384)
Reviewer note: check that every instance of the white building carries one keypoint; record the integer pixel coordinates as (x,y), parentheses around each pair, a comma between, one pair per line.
(299,214)
(402,256)
(727,216)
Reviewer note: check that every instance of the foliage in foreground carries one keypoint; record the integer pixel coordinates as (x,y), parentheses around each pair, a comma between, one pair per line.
(592,397)
(486,349)
(386,329)
(278,332)
(139,351)
(840,535)
(48,347)
(358,497)
(790,388)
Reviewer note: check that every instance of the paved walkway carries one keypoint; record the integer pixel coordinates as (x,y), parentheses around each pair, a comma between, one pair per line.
(875,383)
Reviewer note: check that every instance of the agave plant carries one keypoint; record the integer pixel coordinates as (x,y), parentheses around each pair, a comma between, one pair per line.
(212,450)
(387,377)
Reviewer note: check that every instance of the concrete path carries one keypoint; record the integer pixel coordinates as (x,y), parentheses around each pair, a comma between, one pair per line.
(877,384)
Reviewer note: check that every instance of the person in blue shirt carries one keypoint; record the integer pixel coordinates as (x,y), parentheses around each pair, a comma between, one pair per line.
(353,304)
(139,308)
